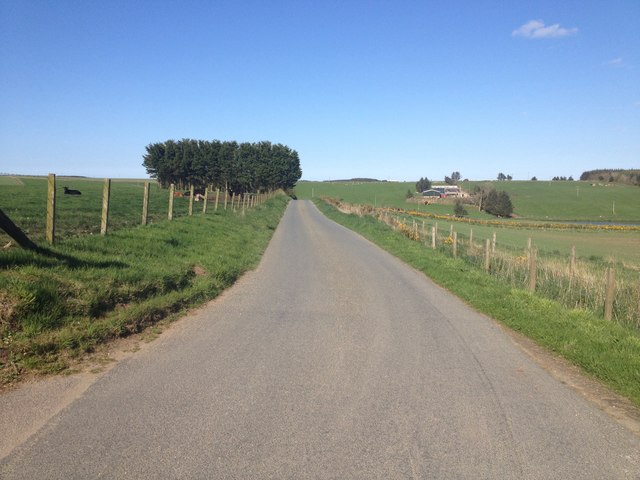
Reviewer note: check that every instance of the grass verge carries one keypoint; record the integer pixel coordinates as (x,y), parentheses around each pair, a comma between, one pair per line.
(88,290)
(605,350)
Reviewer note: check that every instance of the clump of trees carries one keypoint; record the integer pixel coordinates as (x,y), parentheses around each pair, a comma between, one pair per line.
(423,184)
(618,175)
(236,167)
(459,210)
(493,202)
(562,179)
(502,177)
(453,179)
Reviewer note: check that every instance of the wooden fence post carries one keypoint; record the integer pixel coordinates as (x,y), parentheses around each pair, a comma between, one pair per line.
(145,204)
(471,239)
(106,194)
(493,243)
(424,233)
(572,265)
(51,208)
(611,288)
(225,198)
(532,270)
(233,201)
(170,214)
(191,191)
(528,251)
(433,237)
(487,255)
(217,198)
(451,230)
(455,245)
(206,200)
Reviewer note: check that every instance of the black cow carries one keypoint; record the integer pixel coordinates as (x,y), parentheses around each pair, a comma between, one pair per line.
(68,191)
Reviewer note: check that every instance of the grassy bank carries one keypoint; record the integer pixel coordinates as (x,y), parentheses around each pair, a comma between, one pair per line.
(90,289)
(606,350)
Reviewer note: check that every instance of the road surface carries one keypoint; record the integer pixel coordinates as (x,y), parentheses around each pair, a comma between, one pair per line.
(333,360)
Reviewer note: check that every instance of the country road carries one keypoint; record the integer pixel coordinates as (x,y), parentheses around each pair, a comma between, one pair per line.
(332,360)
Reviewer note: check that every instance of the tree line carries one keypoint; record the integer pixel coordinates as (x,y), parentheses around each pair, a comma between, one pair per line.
(236,167)
(618,175)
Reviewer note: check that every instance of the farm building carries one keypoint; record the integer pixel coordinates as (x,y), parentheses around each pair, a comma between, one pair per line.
(432,193)
(449,190)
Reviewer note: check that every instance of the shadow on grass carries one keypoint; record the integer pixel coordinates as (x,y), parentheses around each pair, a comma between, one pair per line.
(46,258)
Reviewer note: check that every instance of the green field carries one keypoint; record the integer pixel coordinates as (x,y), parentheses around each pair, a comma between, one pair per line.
(528,197)
(572,201)
(24,200)
(546,201)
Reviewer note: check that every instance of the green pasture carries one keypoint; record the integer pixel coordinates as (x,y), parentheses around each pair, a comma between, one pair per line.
(568,201)
(24,200)
(6,180)
(544,201)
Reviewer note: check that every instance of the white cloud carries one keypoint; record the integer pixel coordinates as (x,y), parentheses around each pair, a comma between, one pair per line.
(537,29)
(616,62)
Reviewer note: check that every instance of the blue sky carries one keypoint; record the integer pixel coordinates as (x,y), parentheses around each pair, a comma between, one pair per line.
(385,89)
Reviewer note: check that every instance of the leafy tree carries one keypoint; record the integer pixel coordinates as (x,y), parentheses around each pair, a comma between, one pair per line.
(409,194)
(534,179)
(509,178)
(459,210)
(423,184)
(453,179)
(502,176)
(505,207)
(498,203)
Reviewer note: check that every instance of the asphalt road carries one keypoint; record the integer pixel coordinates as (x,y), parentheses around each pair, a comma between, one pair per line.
(332,360)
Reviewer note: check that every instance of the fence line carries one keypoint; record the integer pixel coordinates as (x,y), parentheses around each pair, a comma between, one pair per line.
(245,201)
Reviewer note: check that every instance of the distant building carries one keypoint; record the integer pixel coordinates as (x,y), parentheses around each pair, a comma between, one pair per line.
(448,190)
(432,193)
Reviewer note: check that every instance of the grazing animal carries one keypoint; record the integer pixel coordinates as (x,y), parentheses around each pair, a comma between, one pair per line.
(68,191)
